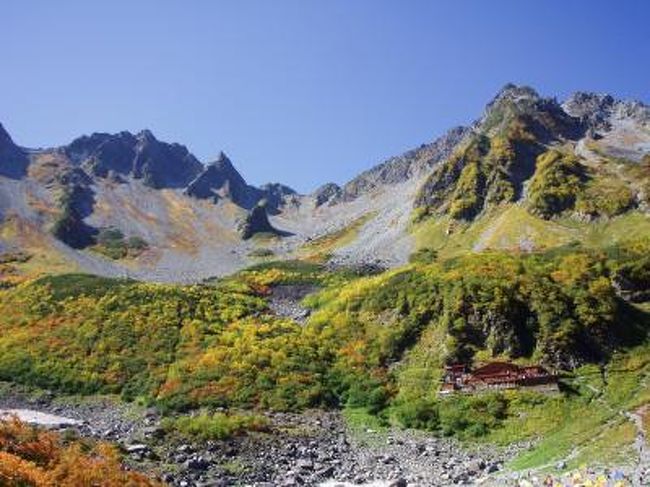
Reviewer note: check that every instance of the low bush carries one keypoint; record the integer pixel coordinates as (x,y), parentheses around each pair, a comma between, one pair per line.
(33,457)
(260,253)
(472,416)
(206,426)
(418,413)
(558,181)
(112,243)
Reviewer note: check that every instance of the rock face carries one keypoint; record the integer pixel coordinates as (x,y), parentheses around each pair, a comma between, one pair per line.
(256,221)
(76,202)
(398,169)
(141,156)
(221,180)
(276,196)
(543,117)
(13,159)
(103,153)
(499,155)
(598,111)
(326,193)
(97,181)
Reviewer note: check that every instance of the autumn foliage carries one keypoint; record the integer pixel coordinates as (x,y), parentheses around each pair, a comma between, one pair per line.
(34,457)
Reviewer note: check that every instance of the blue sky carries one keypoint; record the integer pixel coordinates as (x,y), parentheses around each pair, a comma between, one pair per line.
(302,91)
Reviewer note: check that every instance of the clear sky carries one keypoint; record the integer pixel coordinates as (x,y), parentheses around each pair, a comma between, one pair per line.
(301,91)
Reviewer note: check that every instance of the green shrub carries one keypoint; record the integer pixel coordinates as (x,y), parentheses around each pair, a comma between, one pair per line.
(605,197)
(375,343)
(424,256)
(418,413)
(467,199)
(558,181)
(136,243)
(206,426)
(261,253)
(367,393)
(112,243)
(472,416)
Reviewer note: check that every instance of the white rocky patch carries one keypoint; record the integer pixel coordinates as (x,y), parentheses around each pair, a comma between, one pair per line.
(38,418)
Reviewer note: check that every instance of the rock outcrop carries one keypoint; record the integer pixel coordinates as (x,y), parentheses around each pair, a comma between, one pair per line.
(257,221)
(276,195)
(326,193)
(220,180)
(499,155)
(398,169)
(13,159)
(141,156)
(598,111)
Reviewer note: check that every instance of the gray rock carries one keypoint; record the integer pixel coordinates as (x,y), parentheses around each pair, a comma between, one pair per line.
(304,464)
(185,448)
(136,448)
(325,472)
(197,463)
(257,221)
(154,431)
(476,466)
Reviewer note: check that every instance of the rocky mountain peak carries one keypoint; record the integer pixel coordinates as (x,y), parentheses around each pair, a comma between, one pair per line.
(325,193)
(543,118)
(147,136)
(223,161)
(5,138)
(278,188)
(13,159)
(500,154)
(598,110)
(141,156)
(514,93)
(276,195)
(224,165)
(394,170)
(218,180)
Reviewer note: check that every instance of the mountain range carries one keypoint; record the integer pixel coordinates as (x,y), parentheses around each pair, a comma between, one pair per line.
(530,173)
(517,243)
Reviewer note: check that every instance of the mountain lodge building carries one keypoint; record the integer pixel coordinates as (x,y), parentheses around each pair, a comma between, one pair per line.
(497,376)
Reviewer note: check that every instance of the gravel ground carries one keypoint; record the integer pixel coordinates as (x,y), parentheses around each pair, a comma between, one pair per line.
(312,448)
(284,301)
(315,448)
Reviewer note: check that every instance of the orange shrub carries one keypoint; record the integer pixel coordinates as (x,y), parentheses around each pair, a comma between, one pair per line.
(33,457)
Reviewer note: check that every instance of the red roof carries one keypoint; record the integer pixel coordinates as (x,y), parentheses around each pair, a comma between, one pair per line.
(496,368)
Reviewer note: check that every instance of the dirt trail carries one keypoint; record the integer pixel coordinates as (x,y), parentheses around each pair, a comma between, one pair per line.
(642,469)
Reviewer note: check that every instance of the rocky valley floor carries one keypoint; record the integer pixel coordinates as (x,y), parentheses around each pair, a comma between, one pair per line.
(316,448)
(313,448)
